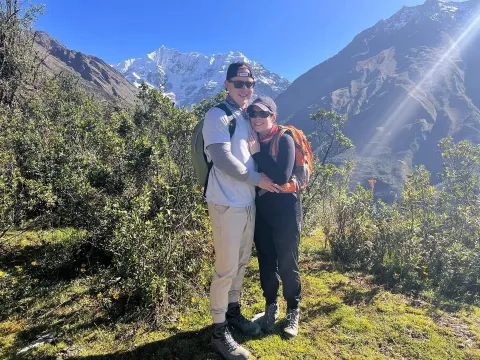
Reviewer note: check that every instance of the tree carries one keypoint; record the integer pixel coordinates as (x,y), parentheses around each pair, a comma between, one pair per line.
(327,180)
(328,138)
(19,63)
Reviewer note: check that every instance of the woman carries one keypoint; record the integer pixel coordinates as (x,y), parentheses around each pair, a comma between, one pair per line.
(278,217)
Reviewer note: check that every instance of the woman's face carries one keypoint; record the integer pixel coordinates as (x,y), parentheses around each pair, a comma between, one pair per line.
(261,121)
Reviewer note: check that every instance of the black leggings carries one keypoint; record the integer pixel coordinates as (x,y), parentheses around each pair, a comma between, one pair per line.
(277,236)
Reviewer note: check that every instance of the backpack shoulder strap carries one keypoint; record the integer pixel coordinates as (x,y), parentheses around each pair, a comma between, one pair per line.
(209,167)
(232,122)
(225,108)
(276,141)
(297,135)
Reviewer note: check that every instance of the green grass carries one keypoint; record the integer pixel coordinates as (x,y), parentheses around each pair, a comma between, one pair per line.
(344,315)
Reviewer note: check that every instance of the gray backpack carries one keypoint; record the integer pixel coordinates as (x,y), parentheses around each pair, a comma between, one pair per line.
(201,166)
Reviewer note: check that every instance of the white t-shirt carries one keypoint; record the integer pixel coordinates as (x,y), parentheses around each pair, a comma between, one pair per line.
(223,189)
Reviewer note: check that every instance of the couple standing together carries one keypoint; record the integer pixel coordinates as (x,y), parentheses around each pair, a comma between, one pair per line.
(247,202)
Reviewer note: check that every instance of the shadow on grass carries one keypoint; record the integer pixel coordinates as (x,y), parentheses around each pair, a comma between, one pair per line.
(43,267)
(422,292)
(27,337)
(54,261)
(192,345)
(314,312)
(318,261)
(355,296)
(189,345)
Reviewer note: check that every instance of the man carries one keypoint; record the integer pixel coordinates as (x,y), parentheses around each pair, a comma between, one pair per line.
(230,195)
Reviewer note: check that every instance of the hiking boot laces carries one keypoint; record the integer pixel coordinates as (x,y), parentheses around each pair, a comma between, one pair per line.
(292,319)
(229,341)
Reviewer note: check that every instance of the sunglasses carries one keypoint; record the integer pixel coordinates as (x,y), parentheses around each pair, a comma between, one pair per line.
(238,84)
(259,114)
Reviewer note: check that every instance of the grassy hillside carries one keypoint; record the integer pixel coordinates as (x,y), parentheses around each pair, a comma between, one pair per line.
(344,315)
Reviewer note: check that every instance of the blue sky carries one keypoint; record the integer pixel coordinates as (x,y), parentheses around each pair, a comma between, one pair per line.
(287,36)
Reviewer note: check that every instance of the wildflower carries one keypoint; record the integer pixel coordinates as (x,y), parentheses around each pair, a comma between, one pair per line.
(100,295)
(372,182)
(116,296)
(34,263)
(14,281)
(2,274)
(193,300)
(19,268)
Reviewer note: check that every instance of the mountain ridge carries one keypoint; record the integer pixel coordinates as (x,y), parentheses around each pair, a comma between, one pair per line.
(95,74)
(192,76)
(403,84)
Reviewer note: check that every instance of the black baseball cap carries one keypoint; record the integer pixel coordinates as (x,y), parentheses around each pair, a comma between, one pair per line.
(233,70)
(265,103)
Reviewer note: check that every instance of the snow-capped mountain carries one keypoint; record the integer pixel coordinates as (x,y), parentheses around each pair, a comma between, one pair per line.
(192,76)
(404,84)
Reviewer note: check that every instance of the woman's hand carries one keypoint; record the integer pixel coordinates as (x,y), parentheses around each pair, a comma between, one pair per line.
(253,144)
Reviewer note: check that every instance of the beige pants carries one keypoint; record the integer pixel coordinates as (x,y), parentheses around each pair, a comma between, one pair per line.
(232,229)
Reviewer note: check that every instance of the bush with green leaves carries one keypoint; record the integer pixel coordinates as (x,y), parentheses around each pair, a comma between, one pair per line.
(328,180)
(124,177)
(326,187)
(20,64)
(429,240)
(157,231)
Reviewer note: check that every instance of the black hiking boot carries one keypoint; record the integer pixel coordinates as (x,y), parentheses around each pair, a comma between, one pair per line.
(293,317)
(237,320)
(223,344)
(267,321)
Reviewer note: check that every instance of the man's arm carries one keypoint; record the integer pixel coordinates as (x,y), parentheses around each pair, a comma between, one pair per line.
(224,160)
(217,141)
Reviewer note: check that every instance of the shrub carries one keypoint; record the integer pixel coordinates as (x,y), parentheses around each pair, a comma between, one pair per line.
(429,240)
(123,177)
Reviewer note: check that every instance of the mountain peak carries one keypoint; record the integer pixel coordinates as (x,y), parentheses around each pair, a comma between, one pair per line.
(447,13)
(236,54)
(193,76)
(403,84)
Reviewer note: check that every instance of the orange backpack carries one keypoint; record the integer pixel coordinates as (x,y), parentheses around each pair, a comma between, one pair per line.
(302,170)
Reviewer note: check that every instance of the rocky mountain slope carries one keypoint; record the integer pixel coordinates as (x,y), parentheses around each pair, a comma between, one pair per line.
(95,74)
(404,84)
